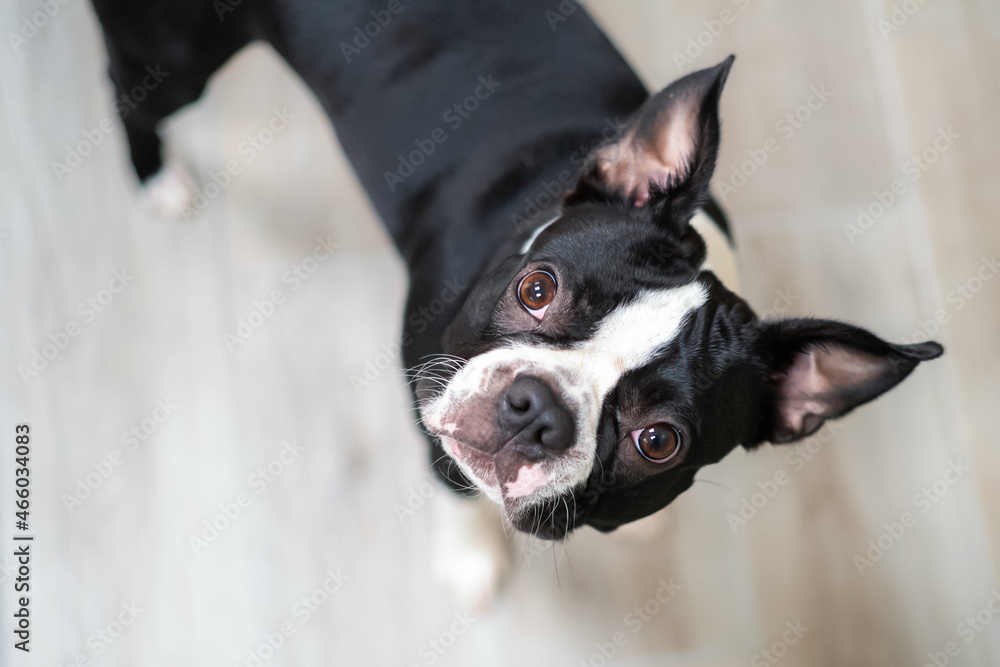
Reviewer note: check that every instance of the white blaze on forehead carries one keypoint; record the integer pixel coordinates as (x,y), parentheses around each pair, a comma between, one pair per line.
(627,338)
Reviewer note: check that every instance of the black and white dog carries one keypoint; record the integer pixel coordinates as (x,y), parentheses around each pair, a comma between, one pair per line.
(600,356)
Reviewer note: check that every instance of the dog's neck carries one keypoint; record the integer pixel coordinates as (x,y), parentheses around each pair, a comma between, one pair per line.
(719,255)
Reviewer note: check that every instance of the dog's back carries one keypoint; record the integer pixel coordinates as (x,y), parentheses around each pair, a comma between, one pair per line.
(447,111)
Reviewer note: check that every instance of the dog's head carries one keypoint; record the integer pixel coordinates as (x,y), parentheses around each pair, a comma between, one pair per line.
(590,377)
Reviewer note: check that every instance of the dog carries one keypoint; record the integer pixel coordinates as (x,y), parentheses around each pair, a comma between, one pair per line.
(600,355)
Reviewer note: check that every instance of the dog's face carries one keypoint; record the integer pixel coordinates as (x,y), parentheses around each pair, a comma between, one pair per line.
(591,376)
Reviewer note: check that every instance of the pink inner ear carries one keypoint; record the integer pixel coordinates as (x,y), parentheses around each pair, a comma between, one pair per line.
(798,390)
(821,382)
(676,143)
(634,162)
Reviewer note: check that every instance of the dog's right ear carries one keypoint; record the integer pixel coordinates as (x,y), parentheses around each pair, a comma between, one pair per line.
(667,151)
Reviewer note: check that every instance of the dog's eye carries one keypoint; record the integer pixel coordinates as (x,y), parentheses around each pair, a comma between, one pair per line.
(657,443)
(536,292)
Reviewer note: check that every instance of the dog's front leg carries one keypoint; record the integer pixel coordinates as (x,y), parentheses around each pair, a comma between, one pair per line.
(470,553)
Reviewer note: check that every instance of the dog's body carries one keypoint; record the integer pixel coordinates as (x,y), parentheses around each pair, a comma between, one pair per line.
(596,360)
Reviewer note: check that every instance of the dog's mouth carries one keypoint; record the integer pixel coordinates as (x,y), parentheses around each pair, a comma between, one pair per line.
(514,435)
(526,505)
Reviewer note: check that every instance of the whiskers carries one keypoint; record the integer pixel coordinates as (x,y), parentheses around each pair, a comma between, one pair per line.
(560,520)
(436,370)
(430,379)
(469,489)
(713,483)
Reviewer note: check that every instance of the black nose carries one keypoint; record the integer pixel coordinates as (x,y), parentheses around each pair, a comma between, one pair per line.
(533,418)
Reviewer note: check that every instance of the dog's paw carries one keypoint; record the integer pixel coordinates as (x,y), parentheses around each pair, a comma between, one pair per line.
(471,559)
(471,575)
(169,193)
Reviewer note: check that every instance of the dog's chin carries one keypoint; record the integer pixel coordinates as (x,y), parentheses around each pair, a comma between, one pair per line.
(550,519)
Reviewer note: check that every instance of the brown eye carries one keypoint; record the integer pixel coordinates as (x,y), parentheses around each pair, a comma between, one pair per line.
(536,292)
(658,443)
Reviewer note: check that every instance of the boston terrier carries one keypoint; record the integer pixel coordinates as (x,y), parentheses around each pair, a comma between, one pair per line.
(600,355)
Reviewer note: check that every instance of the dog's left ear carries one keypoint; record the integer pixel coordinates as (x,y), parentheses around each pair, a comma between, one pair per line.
(666,154)
(822,369)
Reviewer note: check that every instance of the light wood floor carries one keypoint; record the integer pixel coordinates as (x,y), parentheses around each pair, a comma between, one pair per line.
(334,505)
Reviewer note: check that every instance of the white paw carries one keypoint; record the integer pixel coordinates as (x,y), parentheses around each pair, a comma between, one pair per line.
(470,551)
(169,192)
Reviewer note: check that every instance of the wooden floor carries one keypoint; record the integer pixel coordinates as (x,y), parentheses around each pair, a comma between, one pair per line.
(352,459)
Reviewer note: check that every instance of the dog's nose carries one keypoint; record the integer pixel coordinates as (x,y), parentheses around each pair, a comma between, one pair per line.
(534,419)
